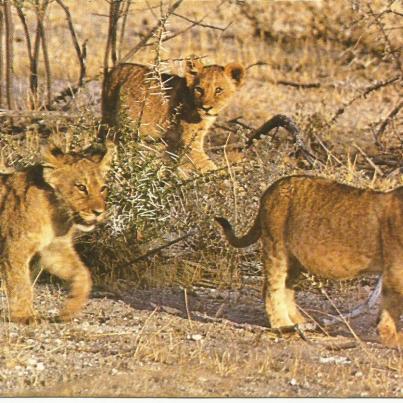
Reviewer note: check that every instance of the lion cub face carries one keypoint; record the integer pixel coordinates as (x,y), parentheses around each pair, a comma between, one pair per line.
(78,180)
(213,86)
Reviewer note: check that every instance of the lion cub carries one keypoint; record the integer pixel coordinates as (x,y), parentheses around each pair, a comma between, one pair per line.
(180,111)
(41,209)
(332,230)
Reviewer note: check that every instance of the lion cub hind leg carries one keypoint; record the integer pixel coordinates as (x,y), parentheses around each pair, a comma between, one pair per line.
(61,259)
(391,309)
(292,277)
(18,287)
(276,295)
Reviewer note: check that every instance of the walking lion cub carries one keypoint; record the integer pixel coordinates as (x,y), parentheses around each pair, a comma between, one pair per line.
(178,110)
(333,230)
(42,207)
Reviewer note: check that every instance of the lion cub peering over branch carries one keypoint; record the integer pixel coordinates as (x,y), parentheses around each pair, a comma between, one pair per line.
(332,230)
(178,110)
(41,209)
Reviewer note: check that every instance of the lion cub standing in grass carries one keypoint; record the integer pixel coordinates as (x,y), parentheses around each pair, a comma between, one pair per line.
(332,230)
(179,111)
(41,209)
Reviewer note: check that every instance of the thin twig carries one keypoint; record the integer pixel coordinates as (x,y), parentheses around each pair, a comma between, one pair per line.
(370,162)
(200,24)
(152,252)
(79,51)
(388,119)
(389,46)
(363,93)
(150,34)
(360,309)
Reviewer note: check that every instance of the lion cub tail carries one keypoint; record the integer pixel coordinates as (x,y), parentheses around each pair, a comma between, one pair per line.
(248,239)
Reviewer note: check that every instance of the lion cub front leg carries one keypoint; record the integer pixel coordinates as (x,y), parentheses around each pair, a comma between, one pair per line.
(19,290)
(391,309)
(195,158)
(62,260)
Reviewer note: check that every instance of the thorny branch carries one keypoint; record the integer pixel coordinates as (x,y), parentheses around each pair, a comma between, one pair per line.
(151,33)
(389,48)
(388,119)
(364,93)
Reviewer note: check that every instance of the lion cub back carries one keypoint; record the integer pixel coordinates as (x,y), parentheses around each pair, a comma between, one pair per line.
(132,91)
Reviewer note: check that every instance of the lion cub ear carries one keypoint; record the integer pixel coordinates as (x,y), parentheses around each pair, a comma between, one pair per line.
(236,72)
(52,156)
(192,70)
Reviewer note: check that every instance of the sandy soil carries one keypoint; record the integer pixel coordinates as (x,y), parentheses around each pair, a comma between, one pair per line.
(204,342)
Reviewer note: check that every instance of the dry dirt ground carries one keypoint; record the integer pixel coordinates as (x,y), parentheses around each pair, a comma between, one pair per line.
(203,342)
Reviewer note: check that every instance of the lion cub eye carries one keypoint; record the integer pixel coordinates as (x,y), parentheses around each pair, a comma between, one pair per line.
(219,90)
(82,188)
(198,90)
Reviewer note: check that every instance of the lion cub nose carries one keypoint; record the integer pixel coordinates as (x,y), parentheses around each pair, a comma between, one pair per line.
(97,212)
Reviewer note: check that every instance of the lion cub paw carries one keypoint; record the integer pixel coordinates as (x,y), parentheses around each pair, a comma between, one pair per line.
(390,338)
(27,320)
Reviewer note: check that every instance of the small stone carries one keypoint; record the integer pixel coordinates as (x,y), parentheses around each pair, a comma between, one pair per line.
(293,382)
(335,360)
(31,361)
(40,366)
(194,337)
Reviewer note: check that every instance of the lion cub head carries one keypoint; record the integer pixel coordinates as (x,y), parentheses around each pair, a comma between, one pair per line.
(78,180)
(213,86)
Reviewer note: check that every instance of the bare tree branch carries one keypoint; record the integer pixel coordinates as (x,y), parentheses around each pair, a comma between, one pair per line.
(200,24)
(363,93)
(9,28)
(388,119)
(80,51)
(389,48)
(115,18)
(125,13)
(42,33)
